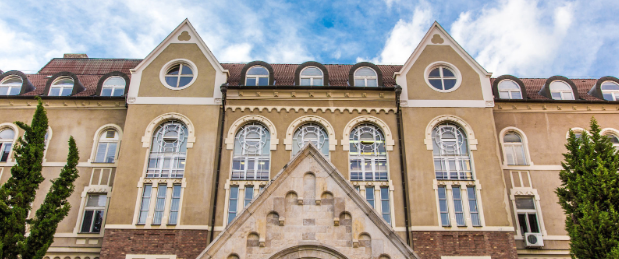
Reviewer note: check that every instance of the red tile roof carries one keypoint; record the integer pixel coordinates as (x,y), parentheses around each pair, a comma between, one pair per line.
(534,85)
(89,66)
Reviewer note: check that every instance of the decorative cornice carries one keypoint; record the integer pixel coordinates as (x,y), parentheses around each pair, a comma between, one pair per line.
(309,109)
(556,107)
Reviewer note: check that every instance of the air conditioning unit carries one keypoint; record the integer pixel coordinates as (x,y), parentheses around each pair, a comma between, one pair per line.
(534,239)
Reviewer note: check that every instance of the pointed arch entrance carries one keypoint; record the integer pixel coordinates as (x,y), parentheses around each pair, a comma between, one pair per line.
(308,252)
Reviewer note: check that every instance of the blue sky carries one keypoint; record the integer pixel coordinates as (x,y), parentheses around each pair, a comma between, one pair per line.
(526,38)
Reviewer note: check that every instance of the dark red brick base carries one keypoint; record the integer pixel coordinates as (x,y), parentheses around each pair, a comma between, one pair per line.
(185,244)
(434,244)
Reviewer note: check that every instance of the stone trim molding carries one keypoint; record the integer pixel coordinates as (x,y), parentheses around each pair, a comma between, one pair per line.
(95,141)
(389,142)
(576,130)
(148,134)
(455,119)
(525,144)
(605,131)
(247,119)
(310,118)
(308,109)
(16,131)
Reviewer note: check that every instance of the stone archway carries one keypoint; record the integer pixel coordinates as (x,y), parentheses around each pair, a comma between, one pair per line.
(308,252)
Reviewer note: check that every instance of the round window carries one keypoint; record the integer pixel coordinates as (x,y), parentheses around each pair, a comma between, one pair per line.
(178,74)
(442,78)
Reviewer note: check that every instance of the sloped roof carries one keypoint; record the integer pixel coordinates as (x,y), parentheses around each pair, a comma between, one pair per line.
(89,66)
(534,85)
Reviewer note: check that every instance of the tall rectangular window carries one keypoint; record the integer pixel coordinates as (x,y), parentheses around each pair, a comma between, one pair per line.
(93,213)
(5,149)
(145,204)
(249,195)
(160,203)
(475,221)
(527,215)
(442,201)
(232,205)
(369,195)
(384,199)
(457,196)
(175,204)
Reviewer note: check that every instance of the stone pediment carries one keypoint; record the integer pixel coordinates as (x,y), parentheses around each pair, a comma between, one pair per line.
(309,210)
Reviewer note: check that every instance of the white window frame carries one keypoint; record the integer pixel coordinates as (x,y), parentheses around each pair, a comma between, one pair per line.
(166,68)
(174,157)
(613,93)
(13,127)
(561,92)
(509,92)
(245,157)
(156,184)
(113,87)
(102,130)
(312,78)
(454,69)
(108,142)
(465,204)
(12,86)
(373,158)
(363,187)
(96,208)
(61,87)
(528,192)
(365,78)
(302,131)
(524,142)
(527,212)
(458,158)
(257,77)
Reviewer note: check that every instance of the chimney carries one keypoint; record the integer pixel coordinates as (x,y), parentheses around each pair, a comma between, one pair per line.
(72,55)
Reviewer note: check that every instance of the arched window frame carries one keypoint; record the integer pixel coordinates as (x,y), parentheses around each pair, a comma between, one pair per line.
(12,87)
(300,134)
(61,88)
(114,88)
(613,94)
(466,129)
(365,78)
(312,78)
(15,136)
(236,125)
(509,92)
(576,130)
(524,143)
(611,131)
(374,159)
(261,162)
(257,77)
(176,158)
(292,128)
(562,93)
(96,139)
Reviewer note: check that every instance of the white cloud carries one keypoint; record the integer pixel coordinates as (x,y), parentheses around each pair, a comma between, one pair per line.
(404,38)
(516,37)
(236,53)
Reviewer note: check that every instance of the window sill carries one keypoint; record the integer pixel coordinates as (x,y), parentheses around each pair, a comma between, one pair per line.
(86,233)
(106,163)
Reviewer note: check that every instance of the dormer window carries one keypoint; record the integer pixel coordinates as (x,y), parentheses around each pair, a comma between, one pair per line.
(62,87)
(366,76)
(257,76)
(11,85)
(312,76)
(509,89)
(179,76)
(560,90)
(114,86)
(610,91)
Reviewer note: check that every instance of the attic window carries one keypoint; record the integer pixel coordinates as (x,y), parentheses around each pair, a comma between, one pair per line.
(257,76)
(311,76)
(560,90)
(63,86)
(113,86)
(179,75)
(442,78)
(366,76)
(610,91)
(11,85)
(509,89)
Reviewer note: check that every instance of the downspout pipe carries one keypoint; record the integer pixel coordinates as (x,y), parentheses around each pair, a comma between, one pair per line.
(403,172)
(222,120)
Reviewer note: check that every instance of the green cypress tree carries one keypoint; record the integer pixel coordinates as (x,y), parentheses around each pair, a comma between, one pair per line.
(17,194)
(589,195)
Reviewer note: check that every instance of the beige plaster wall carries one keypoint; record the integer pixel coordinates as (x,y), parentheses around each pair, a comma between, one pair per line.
(420,164)
(339,157)
(151,86)
(196,204)
(418,89)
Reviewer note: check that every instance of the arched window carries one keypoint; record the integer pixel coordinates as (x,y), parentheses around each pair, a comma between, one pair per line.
(514,149)
(442,78)
(114,86)
(368,156)
(451,153)
(613,139)
(168,151)
(610,91)
(366,76)
(252,153)
(509,89)
(11,85)
(311,76)
(560,90)
(106,148)
(311,133)
(257,75)
(179,75)
(62,87)
(7,136)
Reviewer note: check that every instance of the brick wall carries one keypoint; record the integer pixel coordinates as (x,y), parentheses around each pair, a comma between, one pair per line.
(434,244)
(186,244)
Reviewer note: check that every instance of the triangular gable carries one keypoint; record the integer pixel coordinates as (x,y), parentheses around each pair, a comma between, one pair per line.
(308,209)
(184,33)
